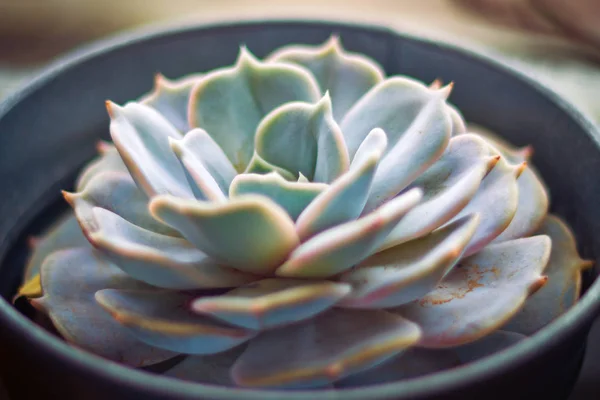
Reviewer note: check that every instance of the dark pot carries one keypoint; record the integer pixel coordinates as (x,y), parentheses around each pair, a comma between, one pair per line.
(62,110)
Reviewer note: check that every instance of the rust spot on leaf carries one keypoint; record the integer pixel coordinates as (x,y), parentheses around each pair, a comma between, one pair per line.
(470,280)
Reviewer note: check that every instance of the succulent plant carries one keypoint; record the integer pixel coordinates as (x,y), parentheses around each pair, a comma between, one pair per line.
(302,221)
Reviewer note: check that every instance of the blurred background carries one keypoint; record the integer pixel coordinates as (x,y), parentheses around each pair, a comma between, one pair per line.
(555,41)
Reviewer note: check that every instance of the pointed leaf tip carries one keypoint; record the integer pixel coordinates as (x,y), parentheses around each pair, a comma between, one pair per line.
(112,108)
(520,168)
(445,91)
(159,80)
(103,147)
(334,43)
(69,197)
(436,84)
(245,57)
(33,242)
(563,287)
(538,284)
(586,264)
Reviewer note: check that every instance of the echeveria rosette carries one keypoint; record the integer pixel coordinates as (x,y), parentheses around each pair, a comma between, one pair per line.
(303,221)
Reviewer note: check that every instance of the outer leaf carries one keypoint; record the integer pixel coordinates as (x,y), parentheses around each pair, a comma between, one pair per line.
(70,278)
(229,103)
(338,249)
(141,136)
(162,319)
(347,76)
(488,345)
(208,170)
(322,350)
(459,125)
(213,369)
(412,363)
(30,288)
(531,210)
(304,138)
(458,122)
(116,192)
(418,127)
(108,160)
(448,186)
(409,271)
(170,98)
(515,155)
(564,280)
(64,234)
(533,193)
(272,302)
(293,197)
(482,293)
(251,233)
(159,260)
(496,200)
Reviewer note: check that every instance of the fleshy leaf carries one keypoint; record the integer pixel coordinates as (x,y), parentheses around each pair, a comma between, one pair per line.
(409,271)
(531,209)
(417,124)
(170,98)
(64,234)
(108,160)
(324,349)
(564,281)
(250,233)
(201,181)
(304,138)
(338,249)
(515,155)
(345,198)
(481,293)
(31,288)
(496,201)
(292,196)
(488,345)
(212,369)
(229,103)
(159,260)
(116,192)
(163,319)
(70,278)
(302,178)
(458,122)
(412,363)
(448,186)
(347,76)
(459,126)
(533,193)
(259,165)
(270,303)
(374,143)
(197,148)
(141,136)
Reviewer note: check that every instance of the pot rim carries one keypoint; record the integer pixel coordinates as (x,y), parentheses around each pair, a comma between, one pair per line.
(583,312)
